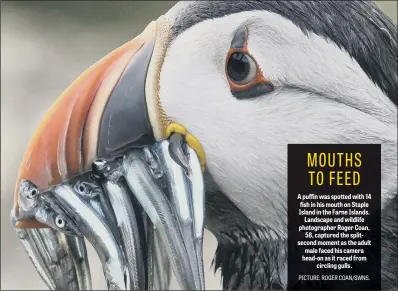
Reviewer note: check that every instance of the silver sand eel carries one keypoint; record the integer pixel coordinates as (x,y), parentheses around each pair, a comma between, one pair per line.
(142,213)
(126,220)
(60,260)
(157,206)
(98,234)
(184,173)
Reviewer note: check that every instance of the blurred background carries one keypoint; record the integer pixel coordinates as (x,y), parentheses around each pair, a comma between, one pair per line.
(44,47)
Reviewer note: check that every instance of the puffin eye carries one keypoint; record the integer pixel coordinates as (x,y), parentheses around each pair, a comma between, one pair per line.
(243,73)
(241,68)
(60,222)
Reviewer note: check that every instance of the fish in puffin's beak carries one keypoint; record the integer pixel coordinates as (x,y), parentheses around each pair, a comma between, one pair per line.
(101,166)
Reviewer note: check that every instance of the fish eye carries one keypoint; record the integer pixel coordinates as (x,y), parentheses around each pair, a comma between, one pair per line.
(60,222)
(81,188)
(241,68)
(33,193)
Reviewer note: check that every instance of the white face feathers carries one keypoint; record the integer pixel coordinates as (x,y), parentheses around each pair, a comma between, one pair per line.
(321,95)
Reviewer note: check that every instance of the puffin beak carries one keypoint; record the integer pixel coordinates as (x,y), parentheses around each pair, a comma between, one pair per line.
(103,165)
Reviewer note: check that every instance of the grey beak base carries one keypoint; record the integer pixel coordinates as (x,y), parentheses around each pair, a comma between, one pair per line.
(131,125)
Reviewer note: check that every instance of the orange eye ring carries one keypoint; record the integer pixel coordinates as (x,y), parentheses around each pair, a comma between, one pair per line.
(239,46)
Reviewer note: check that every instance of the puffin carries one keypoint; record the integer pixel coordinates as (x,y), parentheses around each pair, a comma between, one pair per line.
(241,80)
(249,77)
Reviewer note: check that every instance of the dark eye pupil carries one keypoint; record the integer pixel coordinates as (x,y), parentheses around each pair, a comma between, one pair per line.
(238,67)
(82,188)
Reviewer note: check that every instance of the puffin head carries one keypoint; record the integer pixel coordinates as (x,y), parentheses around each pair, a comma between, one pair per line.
(249,78)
